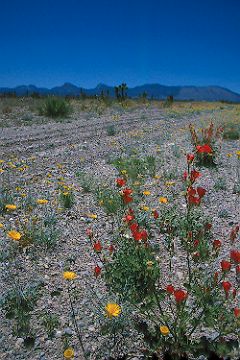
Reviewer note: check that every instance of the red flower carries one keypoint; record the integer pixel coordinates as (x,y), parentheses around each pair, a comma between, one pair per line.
(127,199)
(127,192)
(185,175)
(155,214)
(196,243)
(217,244)
(137,235)
(190,158)
(236,312)
(234,292)
(193,200)
(204,149)
(128,218)
(134,227)
(97,271)
(194,175)
(191,191)
(140,235)
(208,226)
(201,191)
(170,289)
(226,286)
(237,269)
(234,233)
(216,277)
(235,256)
(89,233)
(111,248)
(120,182)
(144,235)
(97,246)
(180,295)
(225,265)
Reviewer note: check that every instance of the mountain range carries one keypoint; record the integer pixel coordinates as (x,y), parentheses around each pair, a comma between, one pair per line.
(156,91)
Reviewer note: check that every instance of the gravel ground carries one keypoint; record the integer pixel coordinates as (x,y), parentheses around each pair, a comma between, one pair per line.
(82,143)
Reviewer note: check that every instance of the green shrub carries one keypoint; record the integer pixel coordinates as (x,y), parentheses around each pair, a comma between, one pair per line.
(231,132)
(55,107)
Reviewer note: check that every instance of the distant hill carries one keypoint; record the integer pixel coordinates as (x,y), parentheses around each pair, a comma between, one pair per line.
(156,91)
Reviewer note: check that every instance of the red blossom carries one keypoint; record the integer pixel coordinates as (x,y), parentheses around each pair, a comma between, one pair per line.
(170,289)
(89,233)
(190,158)
(235,256)
(134,227)
(201,191)
(204,149)
(216,277)
(128,218)
(97,270)
(185,175)
(155,214)
(127,192)
(234,292)
(97,246)
(120,182)
(111,248)
(127,199)
(208,226)
(217,244)
(237,269)
(236,312)
(194,175)
(225,265)
(226,286)
(180,295)
(196,243)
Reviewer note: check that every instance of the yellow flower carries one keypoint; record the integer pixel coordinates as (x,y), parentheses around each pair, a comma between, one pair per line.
(15,235)
(149,264)
(23,195)
(112,309)
(18,188)
(157,177)
(92,216)
(1,161)
(146,192)
(123,172)
(136,183)
(69,275)
(238,153)
(229,155)
(42,201)
(164,330)
(163,200)
(65,193)
(170,183)
(10,207)
(1,171)
(68,353)
(145,208)
(1,225)
(101,202)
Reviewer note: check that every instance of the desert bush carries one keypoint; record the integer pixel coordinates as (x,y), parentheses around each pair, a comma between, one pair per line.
(55,107)
(18,305)
(231,131)
(111,130)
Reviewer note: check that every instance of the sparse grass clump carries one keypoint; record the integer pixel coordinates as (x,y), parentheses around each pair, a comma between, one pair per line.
(55,107)
(231,131)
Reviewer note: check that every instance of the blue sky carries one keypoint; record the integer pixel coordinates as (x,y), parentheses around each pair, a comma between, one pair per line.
(86,42)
